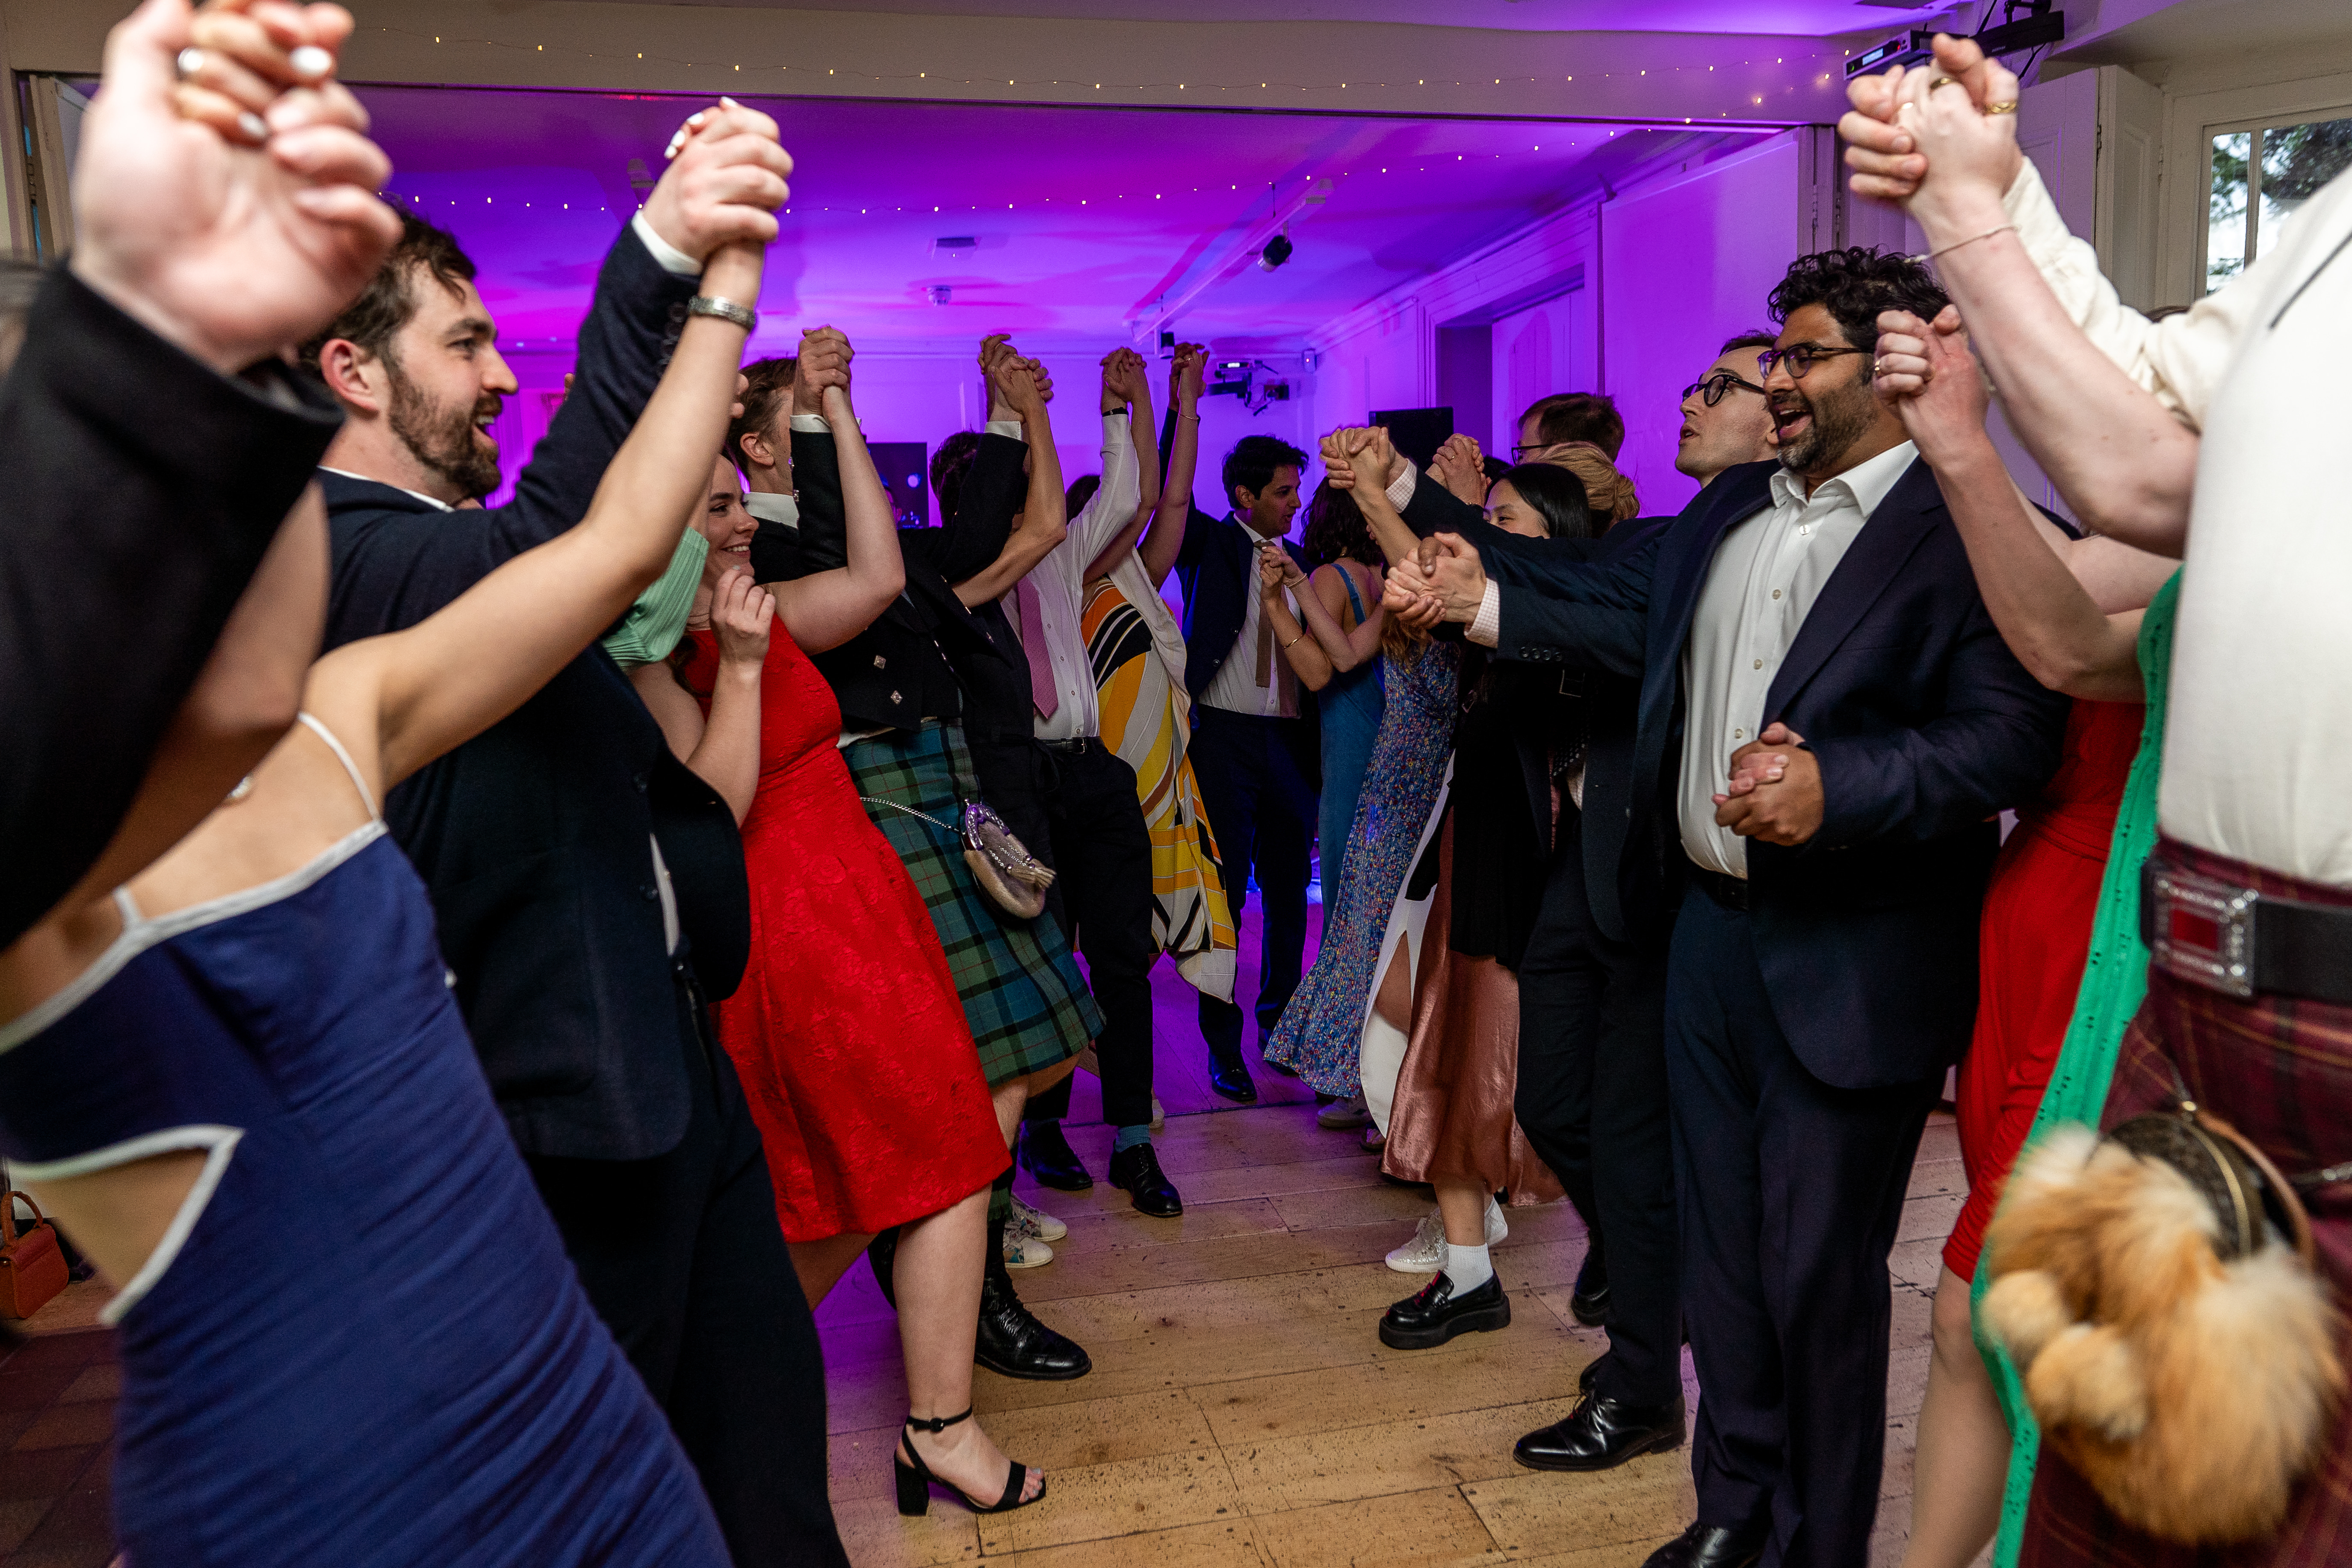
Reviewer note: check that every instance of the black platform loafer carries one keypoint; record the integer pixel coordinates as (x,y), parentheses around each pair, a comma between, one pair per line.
(1047,1155)
(1709,1546)
(1136,1172)
(1230,1078)
(1014,1343)
(1602,1433)
(1436,1314)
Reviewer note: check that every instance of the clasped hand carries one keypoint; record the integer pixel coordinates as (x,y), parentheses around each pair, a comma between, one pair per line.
(1774,794)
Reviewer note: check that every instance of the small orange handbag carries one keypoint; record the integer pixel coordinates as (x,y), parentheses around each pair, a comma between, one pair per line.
(32,1265)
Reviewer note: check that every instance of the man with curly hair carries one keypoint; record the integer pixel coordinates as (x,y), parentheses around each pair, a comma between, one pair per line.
(1829,723)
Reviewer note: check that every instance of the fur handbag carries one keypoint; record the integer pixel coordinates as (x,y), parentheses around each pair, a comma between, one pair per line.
(2156,1290)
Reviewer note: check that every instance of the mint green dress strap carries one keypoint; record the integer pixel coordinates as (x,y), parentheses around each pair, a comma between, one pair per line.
(2114,981)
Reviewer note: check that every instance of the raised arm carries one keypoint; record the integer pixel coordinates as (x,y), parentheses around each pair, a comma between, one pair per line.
(2049,619)
(1164,538)
(1113,507)
(1364,452)
(827,609)
(722,749)
(460,670)
(2116,452)
(1148,492)
(1040,525)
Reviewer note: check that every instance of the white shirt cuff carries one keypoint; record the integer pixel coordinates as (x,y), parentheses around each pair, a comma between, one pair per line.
(676,262)
(1400,488)
(1487,626)
(1009,428)
(811,425)
(1115,430)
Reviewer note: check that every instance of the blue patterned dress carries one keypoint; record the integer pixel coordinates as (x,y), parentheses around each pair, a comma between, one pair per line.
(1321,1029)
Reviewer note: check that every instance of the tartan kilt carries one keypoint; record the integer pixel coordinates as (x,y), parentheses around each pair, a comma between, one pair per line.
(1028,1006)
(2280,1071)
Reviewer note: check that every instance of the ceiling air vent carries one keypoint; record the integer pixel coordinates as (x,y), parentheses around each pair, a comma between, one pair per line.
(954,245)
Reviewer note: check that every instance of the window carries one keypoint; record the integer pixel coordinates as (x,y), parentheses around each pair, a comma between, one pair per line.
(2260,178)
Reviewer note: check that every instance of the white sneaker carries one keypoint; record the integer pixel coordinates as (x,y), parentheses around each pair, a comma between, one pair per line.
(1425,1253)
(1026,1219)
(1344,1115)
(1025,1252)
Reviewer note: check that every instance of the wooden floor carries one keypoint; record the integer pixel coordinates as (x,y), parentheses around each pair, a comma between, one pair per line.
(1242,1409)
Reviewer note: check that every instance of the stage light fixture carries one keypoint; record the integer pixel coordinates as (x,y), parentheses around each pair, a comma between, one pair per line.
(1277,251)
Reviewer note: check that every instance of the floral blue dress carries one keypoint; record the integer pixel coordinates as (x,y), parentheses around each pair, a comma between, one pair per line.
(1322,1026)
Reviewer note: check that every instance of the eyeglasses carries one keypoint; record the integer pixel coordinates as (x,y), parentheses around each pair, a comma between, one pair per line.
(1717,387)
(1798,358)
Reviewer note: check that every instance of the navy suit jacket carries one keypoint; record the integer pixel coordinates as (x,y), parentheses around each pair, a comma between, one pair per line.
(1925,725)
(534,837)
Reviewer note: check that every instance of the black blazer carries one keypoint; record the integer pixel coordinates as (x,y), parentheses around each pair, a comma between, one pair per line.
(1925,726)
(137,490)
(895,673)
(1630,884)
(535,837)
(1218,566)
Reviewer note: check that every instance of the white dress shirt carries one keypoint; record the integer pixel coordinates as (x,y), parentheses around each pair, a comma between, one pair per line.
(1767,570)
(2258,739)
(1235,688)
(1060,581)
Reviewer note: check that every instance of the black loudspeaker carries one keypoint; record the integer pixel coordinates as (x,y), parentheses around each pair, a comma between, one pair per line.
(904,466)
(1417,432)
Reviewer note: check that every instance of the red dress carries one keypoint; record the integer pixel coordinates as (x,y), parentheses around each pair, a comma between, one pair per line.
(846,1030)
(2031,945)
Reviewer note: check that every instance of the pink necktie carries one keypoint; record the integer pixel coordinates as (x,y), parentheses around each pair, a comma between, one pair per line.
(1042,690)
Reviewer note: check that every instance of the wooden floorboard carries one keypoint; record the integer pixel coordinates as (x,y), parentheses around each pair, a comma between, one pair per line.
(1242,1409)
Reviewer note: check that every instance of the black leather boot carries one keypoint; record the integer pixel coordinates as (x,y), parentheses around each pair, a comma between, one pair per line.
(1012,1342)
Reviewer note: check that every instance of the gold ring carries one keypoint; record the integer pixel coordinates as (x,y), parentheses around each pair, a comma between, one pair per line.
(2009,107)
(1877,368)
(1942,81)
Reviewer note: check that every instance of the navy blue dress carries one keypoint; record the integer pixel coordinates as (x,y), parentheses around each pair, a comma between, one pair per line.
(360,1342)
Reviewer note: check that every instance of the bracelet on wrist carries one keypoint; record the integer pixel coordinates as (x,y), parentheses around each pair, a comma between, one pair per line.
(724,309)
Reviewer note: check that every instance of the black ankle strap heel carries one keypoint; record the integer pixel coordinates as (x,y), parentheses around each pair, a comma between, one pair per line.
(916,1481)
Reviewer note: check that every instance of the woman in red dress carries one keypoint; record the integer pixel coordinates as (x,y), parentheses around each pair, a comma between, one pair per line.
(846,1030)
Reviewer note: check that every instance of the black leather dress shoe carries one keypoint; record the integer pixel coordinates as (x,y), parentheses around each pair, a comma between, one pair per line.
(1013,1343)
(1136,1172)
(1590,1374)
(1047,1155)
(1436,1314)
(1230,1078)
(1709,1546)
(1602,1433)
(1590,1300)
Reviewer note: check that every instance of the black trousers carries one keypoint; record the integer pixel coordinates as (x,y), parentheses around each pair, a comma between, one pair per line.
(1791,1190)
(1102,867)
(1592,1101)
(682,1256)
(1257,791)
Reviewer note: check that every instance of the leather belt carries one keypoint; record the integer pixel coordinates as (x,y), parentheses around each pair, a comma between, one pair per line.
(2240,943)
(1072,748)
(1731,892)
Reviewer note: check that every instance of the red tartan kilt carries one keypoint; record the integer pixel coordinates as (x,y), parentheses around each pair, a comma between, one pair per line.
(2280,1071)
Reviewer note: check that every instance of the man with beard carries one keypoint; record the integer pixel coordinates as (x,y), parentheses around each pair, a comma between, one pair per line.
(1812,627)
(590,888)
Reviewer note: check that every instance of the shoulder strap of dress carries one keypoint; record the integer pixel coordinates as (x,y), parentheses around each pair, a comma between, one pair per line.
(1354,603)
(344,757)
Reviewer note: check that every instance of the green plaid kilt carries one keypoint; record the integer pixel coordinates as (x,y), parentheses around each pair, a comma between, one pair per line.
(1028,1005)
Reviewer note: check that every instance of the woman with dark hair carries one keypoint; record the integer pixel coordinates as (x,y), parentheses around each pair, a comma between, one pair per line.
(1340,662)
(1447,1013)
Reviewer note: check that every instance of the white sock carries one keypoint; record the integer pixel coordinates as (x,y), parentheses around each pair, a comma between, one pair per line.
(1467,1266)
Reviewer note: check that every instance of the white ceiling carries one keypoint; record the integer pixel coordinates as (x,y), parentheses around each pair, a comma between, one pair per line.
(1807,17)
